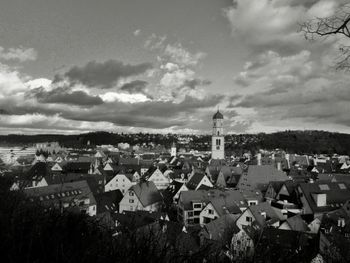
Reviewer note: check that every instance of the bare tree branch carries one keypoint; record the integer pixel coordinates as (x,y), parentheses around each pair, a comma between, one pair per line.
(338,24)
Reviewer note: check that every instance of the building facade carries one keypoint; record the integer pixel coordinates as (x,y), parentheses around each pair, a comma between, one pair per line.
(218,138)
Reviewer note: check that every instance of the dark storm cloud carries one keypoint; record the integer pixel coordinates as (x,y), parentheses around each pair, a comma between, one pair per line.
(232,100)
(103,74)
(4,112)
(64,96)
(193,83)
(149,114)
(136,86)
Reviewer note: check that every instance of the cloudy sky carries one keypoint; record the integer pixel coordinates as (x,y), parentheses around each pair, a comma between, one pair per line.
(166,66)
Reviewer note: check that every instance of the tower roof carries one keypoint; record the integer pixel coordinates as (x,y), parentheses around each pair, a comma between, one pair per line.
(218,115)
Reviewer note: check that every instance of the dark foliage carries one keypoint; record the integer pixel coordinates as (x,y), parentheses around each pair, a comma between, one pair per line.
(292,141)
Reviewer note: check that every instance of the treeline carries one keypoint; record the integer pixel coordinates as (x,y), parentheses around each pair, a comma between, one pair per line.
(300,142)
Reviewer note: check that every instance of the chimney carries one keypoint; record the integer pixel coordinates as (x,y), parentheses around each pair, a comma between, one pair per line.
(259,158)
(279,166)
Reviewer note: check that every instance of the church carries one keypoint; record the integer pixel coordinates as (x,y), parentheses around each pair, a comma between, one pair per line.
(218,138)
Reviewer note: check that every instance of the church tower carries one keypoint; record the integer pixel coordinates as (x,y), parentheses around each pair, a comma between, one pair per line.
(218,139)
(173,150)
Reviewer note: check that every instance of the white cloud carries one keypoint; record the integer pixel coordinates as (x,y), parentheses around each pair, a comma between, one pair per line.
(137,32)
(21,54)
(178,54)
(123,97)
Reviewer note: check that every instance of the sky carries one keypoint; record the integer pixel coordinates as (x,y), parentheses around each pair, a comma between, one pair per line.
(165,66)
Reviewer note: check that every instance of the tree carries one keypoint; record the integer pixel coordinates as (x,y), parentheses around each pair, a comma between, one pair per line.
(337,24)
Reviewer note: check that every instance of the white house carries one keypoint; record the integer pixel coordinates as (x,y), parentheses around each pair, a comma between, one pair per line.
(121,182)
(142,196)
(158,178)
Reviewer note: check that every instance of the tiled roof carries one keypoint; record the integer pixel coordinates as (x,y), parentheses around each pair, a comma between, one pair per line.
(337,194)
(259,176)
(195,180)
(147,193)
(65,192)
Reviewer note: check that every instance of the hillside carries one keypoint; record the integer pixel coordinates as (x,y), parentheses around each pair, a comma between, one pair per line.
(291,141)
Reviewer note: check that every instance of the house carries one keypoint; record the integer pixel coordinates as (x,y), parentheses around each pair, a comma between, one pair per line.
(220,229)
(77,167)
(259,177)
(34,177)
(197,180)
(142,196)
(57,167)
(243,241)
(263,214)
(322,197)
(287,192)
(121,181)
(113,167)
(155,175)
(229,202)
(174,189)
(228,176)
(295,223)
(65,196)
(285,208)
(192,203)
(273,189)
(335,235)
(108,201)
(95,182)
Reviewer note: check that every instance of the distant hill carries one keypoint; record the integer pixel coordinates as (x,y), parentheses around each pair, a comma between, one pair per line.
(291,141)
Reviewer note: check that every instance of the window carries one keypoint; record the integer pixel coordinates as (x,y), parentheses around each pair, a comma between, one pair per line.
(252,203)
(190,214)
(197,206)
(196,213)
(131,200)
(324,187)
(210,212)
(218,133)
(131,193)
(249,219)
(342,186)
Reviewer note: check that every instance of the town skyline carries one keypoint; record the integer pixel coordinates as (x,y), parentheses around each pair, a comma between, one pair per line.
(165,67)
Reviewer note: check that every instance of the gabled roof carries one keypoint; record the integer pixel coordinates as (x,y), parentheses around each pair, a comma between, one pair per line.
(296,223)
(36,173)
(232,197)
(108,201)
(93,180)
(195,180)
(129,161)
(259,210)
(147,193)
(76,166)
(65,192)
(337,194)
(220,228)
(173,188)
(259,176)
